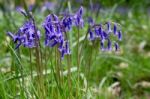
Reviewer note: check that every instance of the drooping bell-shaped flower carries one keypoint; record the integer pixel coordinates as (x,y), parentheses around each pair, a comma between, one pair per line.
(109,27)
(21,10)
(102,45)
(104,33)
(91,35)
(78,18)
(119,35)
(115,29)
(116,46)
(109,46)
(26,35)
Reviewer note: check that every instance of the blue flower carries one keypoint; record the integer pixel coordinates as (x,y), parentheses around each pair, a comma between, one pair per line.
(21,10)
(78,18)
(55,32)
(119,35)
(109,27)
(116,46)
(104,33)
(91,35)
(109,46)
(67,49)
(26,35)
(67,23)
(115,29)
(102,45)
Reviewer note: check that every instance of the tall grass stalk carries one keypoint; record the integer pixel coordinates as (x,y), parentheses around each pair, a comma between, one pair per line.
(89,67)
(20,68)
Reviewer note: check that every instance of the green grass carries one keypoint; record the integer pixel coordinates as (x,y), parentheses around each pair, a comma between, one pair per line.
(98,70)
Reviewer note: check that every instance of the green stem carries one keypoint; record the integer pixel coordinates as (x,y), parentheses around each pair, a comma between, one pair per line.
(31,67)
(57,65)
(78,61)
(69,75)
(89,68)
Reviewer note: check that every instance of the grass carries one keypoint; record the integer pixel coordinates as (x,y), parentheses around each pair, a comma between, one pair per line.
(98,70)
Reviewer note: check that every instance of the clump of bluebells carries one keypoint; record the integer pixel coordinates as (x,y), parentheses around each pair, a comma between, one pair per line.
(26,34)
(103,33)
(56,32)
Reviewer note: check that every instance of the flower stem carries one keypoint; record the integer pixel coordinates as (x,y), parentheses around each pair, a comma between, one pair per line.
(78,61)
(69,74)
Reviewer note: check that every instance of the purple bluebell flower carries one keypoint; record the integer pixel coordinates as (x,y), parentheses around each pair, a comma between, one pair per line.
(53,43)
(67,23)
(96,32)
(91,35)
(115,29)
(62,53)
(102,45)
(109,27)
(104,34)
(116,46)
(109,46)
(61,45)
(14,37)
(21,10)
(67,49)
(55,30)
(25,35)
(119,35)
(78,18)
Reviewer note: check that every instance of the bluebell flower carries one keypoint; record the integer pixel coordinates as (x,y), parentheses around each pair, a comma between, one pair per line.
(14,37)
(91,35)
(67,49)
(109,27)
(96,30)
(78,18)
(115,29)
(67,23)
(102,45)
(104,33)
(61,45)
(109,46)
(116,46)
(119,35)
(21,10)
(26,35)
(62,53)
(53,43)
(55,30)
